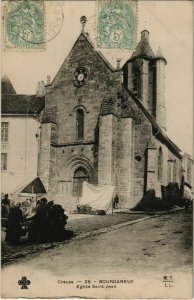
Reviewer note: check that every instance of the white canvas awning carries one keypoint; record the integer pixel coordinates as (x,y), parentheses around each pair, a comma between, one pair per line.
(99,197)
(33,186)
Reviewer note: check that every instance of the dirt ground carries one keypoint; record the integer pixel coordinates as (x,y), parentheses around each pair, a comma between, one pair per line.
(164,242)
(143,253)
(76,225)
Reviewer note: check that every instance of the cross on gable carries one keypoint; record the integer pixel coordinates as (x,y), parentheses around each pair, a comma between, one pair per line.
(83,21)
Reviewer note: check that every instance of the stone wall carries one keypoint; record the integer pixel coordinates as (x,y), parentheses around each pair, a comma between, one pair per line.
(68,159)
(143,133)
(124,162)
(171,167)
(101,83)
(160,94)
(135,142)
(187,166)
(63,97)
(106,155)
(144,84)
(117,148)
(44,155)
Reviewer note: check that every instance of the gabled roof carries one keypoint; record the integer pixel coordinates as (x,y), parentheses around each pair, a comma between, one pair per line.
(21,104)
(6,86)
(34,187)
(85,36)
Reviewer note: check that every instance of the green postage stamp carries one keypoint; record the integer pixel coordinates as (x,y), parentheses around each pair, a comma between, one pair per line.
(117,24)
(24,25)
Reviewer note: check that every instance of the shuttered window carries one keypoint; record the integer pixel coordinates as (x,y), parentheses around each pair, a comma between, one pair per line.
(3,161)
(4,131)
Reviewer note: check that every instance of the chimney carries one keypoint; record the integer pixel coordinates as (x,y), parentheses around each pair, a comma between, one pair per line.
(40,90)
(118,63)
(145,35)
(48,80)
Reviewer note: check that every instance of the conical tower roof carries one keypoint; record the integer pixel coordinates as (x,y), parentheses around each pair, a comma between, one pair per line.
(143,48)
(159,55)
(159,52)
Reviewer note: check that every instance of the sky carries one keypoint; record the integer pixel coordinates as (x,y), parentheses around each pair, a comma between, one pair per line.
(170,25)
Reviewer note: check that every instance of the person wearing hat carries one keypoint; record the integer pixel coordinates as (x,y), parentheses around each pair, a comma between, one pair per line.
(14,225)
(5,206)
(41,220)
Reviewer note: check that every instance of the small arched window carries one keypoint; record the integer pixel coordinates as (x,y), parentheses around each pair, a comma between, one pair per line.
(160,164)
(136,80)
(136,83)
(79,124)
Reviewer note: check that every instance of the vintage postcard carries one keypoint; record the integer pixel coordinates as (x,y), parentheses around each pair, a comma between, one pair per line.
(96,149)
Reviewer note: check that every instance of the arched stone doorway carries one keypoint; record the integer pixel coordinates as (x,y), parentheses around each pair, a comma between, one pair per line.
(72,175)
(80,175)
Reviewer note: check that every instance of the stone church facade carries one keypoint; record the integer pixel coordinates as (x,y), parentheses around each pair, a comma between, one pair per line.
(107,126)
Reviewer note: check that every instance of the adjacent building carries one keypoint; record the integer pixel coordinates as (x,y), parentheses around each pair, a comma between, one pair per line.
(20,130)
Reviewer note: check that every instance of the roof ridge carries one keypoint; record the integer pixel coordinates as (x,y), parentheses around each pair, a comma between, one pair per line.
(98,52)
(86,35)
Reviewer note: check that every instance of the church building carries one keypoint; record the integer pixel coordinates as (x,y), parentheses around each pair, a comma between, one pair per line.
(107,126)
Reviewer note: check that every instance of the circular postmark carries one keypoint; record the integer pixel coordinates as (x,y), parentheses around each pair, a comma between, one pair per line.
(31,24)
(54,19)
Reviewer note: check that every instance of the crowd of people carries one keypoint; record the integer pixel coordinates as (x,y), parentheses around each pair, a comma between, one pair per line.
(41,221)
(48,223)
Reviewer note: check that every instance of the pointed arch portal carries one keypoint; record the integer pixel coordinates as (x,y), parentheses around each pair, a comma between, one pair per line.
(74,172)
(80,175)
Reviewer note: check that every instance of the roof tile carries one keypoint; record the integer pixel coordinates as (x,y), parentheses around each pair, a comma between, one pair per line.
(20,104)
